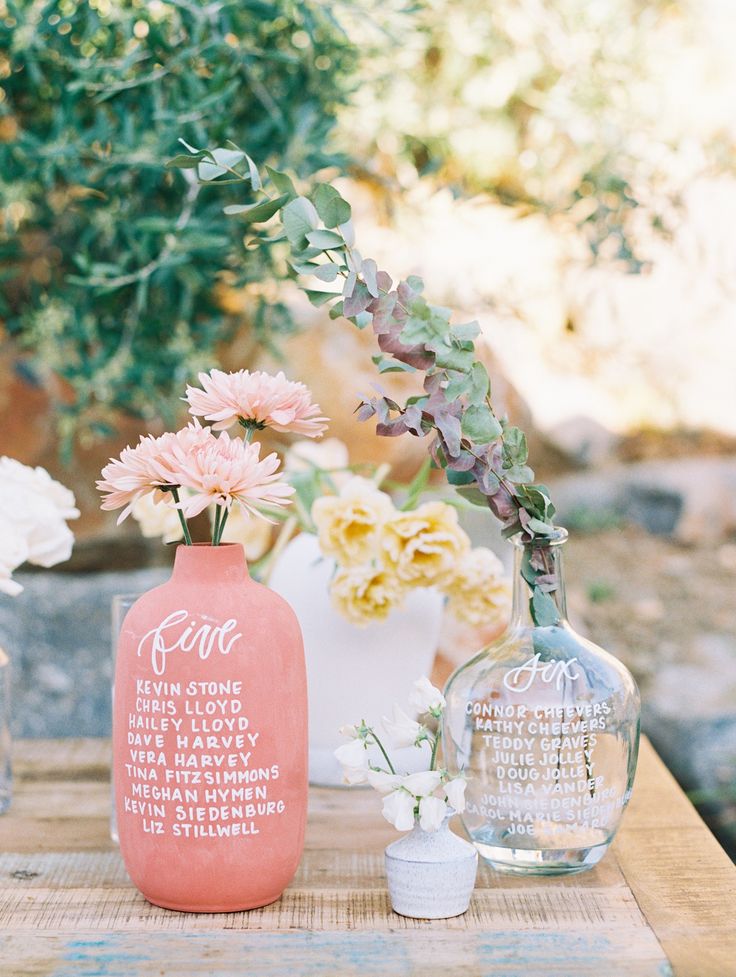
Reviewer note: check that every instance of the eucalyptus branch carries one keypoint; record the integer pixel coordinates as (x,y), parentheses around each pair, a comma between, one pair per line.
(484,457)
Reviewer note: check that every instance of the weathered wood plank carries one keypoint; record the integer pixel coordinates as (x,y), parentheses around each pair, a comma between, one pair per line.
(331,892)
(66,905)
(328,954)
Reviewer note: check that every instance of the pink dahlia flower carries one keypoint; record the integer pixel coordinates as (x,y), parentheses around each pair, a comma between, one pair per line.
(152,464)
(228,470)
(256,399)
(135,473)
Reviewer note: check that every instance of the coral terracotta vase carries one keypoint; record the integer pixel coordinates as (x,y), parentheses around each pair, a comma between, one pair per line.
(210,737)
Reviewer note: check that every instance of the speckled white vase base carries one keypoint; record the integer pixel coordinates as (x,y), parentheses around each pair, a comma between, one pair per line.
(431,875)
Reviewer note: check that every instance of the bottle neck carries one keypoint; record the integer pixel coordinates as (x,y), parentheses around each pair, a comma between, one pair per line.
(530,558)
(194,564)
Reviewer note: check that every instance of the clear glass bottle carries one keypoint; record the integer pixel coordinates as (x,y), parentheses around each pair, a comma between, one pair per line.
(545,726)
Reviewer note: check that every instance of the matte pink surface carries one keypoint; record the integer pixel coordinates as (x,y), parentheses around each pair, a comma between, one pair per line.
(210,780)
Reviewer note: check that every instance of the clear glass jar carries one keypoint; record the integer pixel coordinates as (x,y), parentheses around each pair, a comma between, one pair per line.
(545,726)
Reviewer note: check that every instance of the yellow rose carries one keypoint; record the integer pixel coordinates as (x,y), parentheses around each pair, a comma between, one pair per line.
(254,533)
(365,593)
(156,519)
(423,547)
(349,525)
(478,593)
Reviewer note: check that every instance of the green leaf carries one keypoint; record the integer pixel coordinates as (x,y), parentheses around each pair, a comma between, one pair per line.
(467,332)
(331,207)
(460,478)
(543,608)
(325,239)
(480,425)
(183,162)
(451,358)
(337,310)
(299,218)
(480,384)
(258,212)
(326,273)
(386,365)
(224,161)
(318,298)
(515,450)
(282,182)
(540,528)
(473,494)
(519,474)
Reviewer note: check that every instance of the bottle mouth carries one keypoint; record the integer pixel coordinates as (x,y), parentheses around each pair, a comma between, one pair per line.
(555,538)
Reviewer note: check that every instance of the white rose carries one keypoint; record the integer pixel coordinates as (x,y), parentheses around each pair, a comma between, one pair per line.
(39,482)
(398,809)
(48,538)
(432,812)
(37,506)
(425,697)
(402,730)
(455,793)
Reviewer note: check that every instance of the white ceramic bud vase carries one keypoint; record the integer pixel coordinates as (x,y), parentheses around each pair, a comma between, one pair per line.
(431,874)
(354,673)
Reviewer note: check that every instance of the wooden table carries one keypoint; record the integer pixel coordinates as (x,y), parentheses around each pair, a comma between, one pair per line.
(662,901)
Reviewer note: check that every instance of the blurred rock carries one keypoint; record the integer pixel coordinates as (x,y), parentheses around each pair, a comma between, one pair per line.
(58,636)
(691,499)
(584,441)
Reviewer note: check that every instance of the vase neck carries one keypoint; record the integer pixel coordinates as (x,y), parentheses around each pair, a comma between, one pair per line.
(194,564)
(547,558)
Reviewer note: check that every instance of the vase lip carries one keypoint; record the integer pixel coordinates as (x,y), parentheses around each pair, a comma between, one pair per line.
(227,557)
(556,538)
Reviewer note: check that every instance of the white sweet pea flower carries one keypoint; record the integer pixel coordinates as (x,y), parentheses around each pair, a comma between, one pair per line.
(353,758)
(351,732)
(383,782)
(455,793)
(398,809)
(426,698)
(422,783)
(402,730)
(432,812)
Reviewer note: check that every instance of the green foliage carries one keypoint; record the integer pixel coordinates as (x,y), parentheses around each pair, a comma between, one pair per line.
(110,260)
(484,456)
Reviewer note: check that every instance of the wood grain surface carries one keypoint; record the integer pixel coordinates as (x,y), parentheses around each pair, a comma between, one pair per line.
(661,902)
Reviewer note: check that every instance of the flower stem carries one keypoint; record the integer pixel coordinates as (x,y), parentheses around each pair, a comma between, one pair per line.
(185,529)
(216,526)
(223,520)
(435,745)
(380,746)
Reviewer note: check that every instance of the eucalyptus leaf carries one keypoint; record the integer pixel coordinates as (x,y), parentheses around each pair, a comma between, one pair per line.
(282,182)
(325,239)
(318,298)
(258,212)
(331,207)
(299,218)
(543,608)
(480,425)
